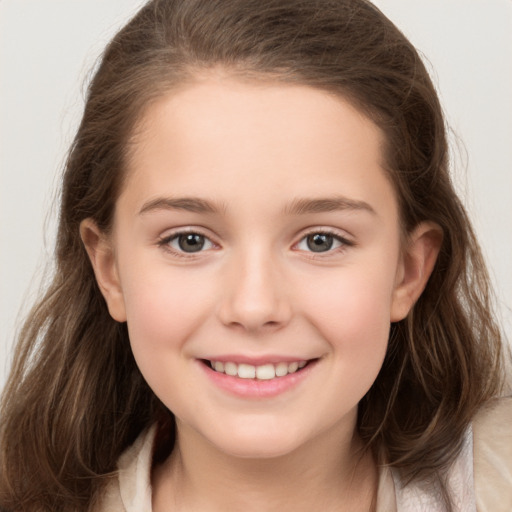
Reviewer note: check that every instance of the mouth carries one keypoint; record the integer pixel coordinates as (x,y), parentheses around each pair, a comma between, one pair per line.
(267,371)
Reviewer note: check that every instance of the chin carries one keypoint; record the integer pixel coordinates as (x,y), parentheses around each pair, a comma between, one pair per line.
(258,443)
(258,450)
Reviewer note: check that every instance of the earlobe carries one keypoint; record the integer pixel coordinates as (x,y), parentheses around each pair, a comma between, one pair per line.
(101,254)
(418,260)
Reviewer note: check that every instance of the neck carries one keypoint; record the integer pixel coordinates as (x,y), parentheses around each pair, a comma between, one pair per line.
(321,475)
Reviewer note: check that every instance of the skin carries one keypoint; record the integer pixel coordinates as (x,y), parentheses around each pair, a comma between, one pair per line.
(253,152)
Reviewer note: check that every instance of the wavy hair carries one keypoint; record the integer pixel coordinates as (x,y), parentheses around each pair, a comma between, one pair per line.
(75,398)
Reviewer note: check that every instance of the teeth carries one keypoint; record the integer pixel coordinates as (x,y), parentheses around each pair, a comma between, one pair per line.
(246,371)
(230,369)
(264,372)
(293,367)
(281,369)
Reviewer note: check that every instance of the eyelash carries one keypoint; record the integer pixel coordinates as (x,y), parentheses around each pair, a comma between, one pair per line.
(344,243)
(165,242)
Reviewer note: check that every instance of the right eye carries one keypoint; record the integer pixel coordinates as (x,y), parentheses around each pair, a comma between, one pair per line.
(189,242)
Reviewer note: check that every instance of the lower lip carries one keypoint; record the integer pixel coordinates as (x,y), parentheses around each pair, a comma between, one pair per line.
(254,388)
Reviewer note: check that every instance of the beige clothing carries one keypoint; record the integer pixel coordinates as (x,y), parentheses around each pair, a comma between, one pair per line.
(480,480)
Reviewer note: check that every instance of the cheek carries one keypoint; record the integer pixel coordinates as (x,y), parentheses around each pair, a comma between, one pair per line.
(352,312)
(163,309)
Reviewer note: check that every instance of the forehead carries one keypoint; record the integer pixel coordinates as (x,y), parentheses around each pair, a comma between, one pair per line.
(226,138)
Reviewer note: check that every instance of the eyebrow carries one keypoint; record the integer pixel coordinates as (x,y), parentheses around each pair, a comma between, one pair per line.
(323,205)
(299,206)
(189,204)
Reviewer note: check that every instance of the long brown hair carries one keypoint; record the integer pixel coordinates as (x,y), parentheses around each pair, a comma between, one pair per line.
(75,398)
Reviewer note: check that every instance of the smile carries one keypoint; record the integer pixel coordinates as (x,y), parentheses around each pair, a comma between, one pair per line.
(260,380)
(262,372)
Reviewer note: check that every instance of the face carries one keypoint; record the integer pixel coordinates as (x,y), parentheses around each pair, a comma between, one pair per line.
(255,256)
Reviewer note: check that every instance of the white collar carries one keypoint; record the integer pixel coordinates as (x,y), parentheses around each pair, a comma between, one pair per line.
(135,482)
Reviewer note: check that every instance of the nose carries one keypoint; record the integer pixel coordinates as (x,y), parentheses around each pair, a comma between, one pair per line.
(255,294)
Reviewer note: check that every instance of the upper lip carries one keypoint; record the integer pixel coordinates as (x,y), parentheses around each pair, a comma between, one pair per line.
(255,360)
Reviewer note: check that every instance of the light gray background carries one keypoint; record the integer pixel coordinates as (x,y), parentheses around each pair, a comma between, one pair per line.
(48,47)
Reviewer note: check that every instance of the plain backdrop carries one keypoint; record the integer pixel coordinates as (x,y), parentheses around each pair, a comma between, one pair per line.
(47,49)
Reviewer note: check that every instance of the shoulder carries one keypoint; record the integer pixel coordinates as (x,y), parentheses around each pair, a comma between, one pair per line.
(110,499)
(130,489)
(492,448)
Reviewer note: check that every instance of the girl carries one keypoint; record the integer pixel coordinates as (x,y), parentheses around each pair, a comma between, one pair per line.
(267,294)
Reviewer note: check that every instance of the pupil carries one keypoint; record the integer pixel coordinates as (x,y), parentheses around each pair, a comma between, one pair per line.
(191,242)
(319,242)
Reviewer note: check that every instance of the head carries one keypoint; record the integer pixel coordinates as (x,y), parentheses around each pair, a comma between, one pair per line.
(348,49)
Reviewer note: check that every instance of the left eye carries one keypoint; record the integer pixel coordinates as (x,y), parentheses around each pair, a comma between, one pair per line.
(320,242)
(189,242)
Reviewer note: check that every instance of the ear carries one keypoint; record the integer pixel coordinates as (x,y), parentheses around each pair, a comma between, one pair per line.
(418,260)
(101,253)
